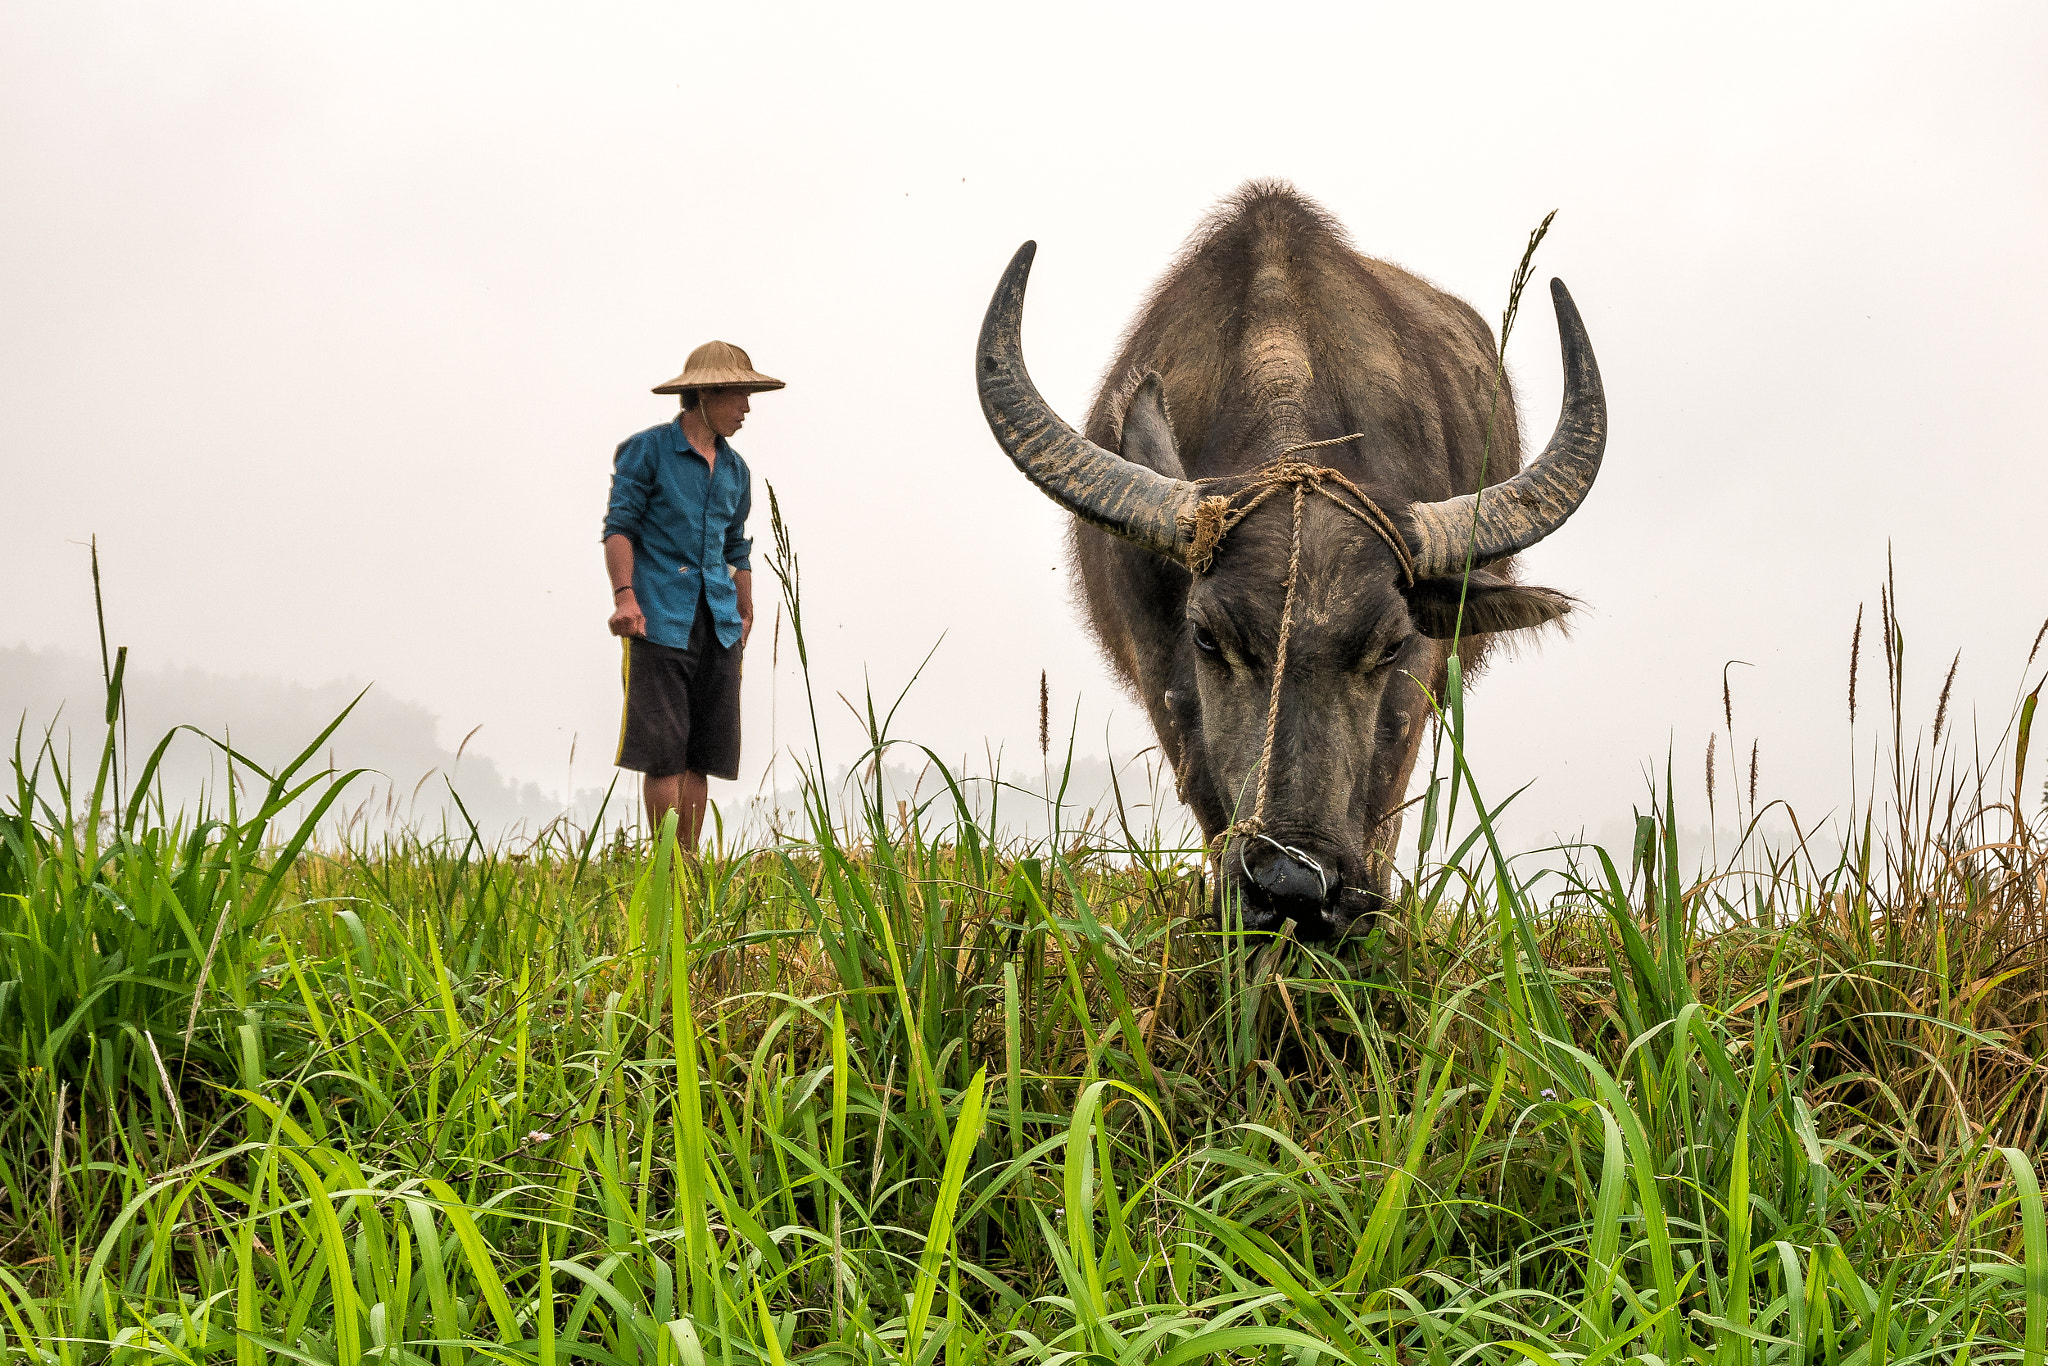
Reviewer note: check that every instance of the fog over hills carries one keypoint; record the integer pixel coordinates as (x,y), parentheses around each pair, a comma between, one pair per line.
(412,772)
(61,695)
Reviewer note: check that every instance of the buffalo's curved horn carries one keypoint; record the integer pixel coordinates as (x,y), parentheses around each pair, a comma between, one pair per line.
(1521,511)
(1115,494)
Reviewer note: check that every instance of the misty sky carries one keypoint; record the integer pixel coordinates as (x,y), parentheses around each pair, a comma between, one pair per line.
(326,320)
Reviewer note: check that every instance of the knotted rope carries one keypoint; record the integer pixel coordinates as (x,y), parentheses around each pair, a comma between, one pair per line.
(1214,517)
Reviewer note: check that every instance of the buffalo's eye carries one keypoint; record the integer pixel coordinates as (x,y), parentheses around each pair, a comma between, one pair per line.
(1205,642)
(1385,657)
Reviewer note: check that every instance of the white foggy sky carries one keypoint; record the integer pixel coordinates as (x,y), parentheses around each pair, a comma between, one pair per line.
(326,319)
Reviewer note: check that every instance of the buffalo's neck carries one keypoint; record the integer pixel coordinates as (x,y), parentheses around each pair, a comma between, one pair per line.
(1271,391)
(1276,372)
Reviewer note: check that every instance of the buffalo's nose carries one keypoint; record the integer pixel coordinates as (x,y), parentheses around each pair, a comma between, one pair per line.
(1287,888)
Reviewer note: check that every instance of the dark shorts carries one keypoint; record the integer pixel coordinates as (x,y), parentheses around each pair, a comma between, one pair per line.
(682,706)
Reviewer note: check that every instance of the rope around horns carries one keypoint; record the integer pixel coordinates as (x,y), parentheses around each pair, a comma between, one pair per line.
(1216,516)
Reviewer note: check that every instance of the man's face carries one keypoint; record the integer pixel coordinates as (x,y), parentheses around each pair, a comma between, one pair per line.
(724,409)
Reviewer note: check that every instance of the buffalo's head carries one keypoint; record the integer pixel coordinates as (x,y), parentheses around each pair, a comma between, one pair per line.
(1369,617)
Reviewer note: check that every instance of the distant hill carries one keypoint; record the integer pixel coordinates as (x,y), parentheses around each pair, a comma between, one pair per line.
(60,694)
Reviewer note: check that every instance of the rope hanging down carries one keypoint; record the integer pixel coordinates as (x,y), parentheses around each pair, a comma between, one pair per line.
(1216,516)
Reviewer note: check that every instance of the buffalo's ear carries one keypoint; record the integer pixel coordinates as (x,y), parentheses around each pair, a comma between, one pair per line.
(1148,437)
(1491,604)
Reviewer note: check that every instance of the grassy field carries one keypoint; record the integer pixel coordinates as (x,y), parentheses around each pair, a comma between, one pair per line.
(895,1089)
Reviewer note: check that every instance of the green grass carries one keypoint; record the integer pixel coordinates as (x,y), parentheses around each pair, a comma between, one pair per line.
(903,1091)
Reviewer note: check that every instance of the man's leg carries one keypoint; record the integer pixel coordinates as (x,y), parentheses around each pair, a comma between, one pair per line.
(693,793)
(662,795)
(654,734)
(686,794)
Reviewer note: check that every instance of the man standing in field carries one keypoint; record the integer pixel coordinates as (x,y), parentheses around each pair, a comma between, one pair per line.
(676,548)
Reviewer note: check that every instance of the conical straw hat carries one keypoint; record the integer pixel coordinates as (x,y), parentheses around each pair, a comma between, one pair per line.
(719,365)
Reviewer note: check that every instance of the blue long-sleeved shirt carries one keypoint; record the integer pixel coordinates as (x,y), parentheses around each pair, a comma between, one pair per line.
(687,521)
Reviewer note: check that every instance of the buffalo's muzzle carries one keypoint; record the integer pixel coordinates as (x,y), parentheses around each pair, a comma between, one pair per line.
(1281,882)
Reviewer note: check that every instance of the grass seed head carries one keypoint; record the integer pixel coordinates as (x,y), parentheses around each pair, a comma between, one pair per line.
(1044,717)
(1941,707)
(1855,653)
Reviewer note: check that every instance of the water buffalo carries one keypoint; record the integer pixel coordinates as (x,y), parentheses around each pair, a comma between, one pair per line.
(1271,332)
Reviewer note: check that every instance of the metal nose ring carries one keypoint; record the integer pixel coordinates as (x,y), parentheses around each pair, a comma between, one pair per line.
(1297,855)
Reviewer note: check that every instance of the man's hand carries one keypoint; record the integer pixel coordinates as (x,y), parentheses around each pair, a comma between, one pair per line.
(743,584)
(627,618)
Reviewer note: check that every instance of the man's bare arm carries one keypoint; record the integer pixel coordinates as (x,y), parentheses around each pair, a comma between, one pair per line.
(626,619)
